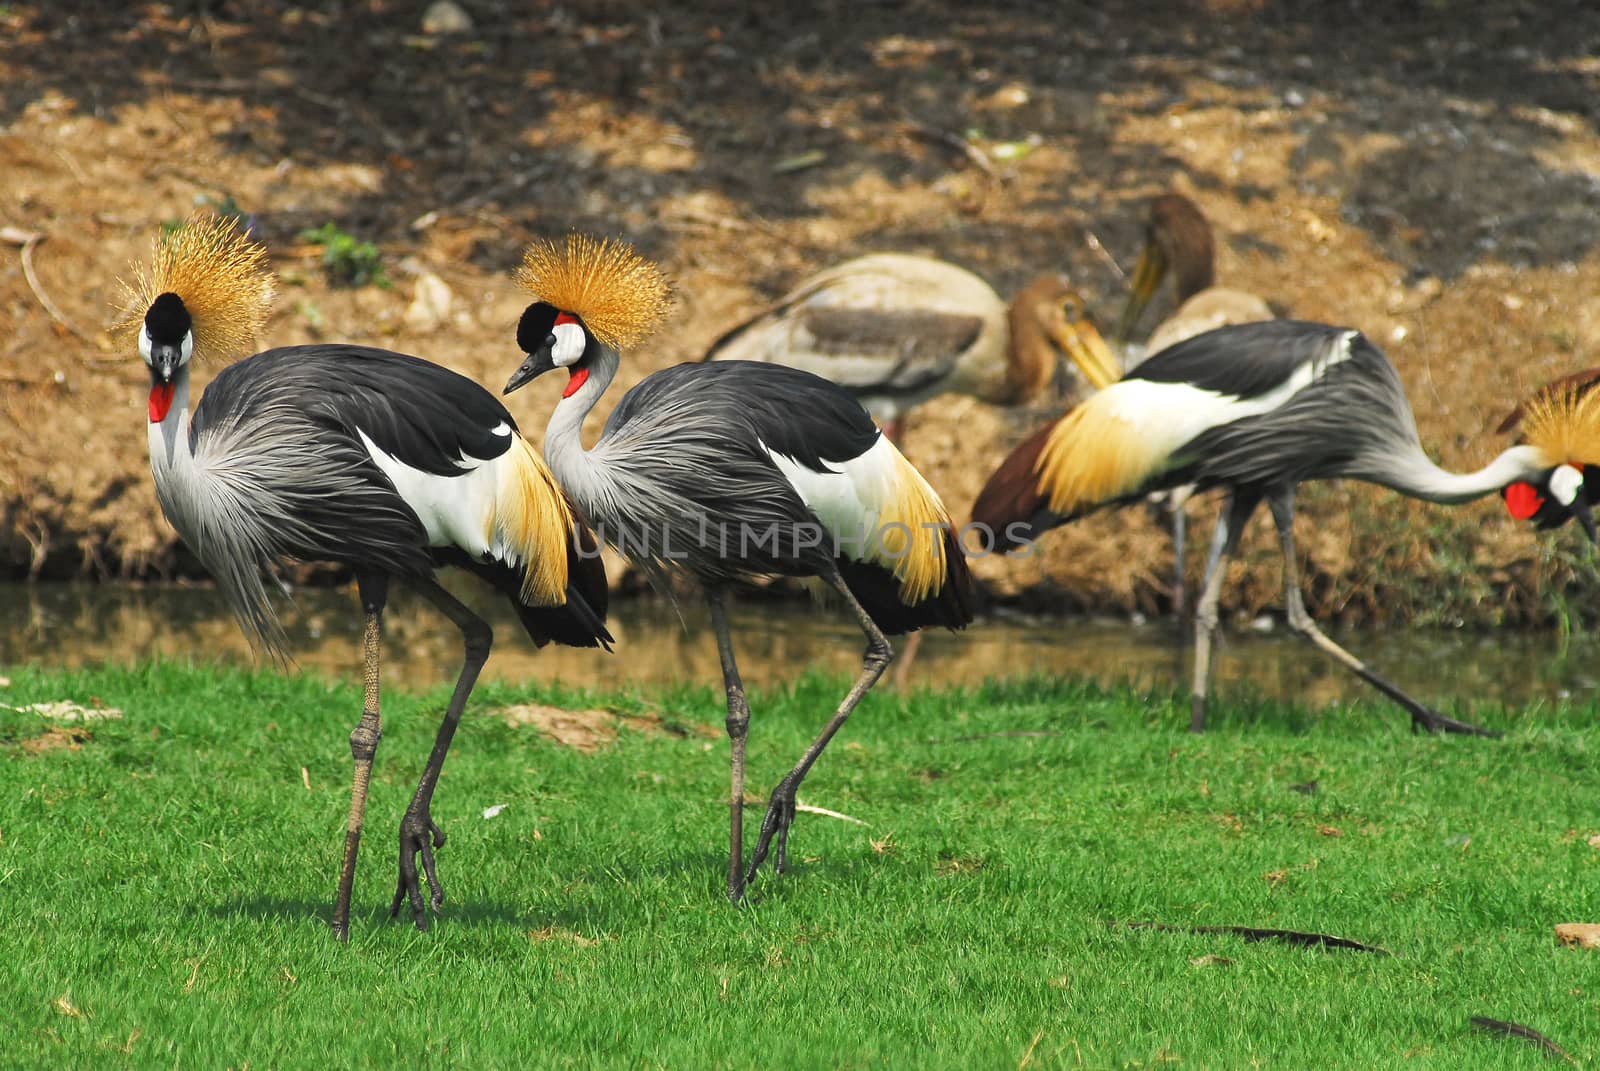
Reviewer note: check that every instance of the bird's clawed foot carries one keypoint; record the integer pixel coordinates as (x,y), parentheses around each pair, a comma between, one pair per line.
(780,816)
(419,836)
(1431,720)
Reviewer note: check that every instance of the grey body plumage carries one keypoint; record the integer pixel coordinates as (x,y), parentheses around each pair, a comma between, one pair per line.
(707,503)
(258,477)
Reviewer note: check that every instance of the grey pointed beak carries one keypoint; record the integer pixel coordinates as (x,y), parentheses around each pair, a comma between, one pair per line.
(164,361)
(536,364)
(533,367)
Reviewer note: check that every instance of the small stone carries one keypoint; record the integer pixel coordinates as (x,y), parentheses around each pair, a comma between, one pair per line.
(445,17)
(430,303)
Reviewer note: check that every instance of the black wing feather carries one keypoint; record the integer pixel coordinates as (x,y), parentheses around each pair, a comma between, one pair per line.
(421,413)
(1241,360)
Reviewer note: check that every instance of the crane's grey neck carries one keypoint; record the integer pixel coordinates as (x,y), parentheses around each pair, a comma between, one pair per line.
(1419,477)
(166,436)
(584,479)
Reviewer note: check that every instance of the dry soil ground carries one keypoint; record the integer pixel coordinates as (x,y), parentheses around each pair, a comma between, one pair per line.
(1427,172)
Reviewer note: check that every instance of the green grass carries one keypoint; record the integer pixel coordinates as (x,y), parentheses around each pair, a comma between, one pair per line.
(166,887)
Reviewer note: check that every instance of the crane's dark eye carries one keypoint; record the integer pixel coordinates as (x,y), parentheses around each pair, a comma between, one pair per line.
(1071,309)
(550,341)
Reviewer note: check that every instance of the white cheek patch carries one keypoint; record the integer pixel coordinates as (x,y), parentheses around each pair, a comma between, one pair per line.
(186,350)
(569,346)
(1564,484)
(145,344)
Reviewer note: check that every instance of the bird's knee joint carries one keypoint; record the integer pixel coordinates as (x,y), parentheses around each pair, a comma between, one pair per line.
(878,656)
(478,642)
(364,741)
(738,722)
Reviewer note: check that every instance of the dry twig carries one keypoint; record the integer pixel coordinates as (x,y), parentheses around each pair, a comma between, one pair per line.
(1255,933)
(29,239)
(1526,1033)
(1092,240)
(956,142)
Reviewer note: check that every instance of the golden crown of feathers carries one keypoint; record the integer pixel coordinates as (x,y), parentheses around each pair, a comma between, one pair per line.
(221,276)
(1564,424)
(618,294)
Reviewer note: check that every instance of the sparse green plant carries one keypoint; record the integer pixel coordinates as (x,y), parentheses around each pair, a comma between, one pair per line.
(312,315)
(348,260)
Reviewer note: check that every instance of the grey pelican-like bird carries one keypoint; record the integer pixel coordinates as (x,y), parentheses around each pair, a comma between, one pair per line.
(1255,410)
(1178,241)
(729,471)
(895,330)
(1562,420)
(377,461)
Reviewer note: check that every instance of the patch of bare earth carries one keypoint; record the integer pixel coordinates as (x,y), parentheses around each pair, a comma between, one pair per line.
(1431,179)
(55,738)
(590,730)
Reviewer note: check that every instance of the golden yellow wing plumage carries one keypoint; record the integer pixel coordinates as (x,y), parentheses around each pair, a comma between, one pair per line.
(1093,455)
(532,516)
(911,533)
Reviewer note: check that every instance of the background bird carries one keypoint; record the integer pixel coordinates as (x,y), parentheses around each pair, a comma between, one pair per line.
(374,460)
(1562,420)
(1254,409)
(895,330)
(1178,241)
(735,470)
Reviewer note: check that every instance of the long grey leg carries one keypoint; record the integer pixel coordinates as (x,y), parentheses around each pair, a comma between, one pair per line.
(1282,505)
(781,804)
(417,826)
(738,723)
(363,746)
(1180,525)
(1224,543)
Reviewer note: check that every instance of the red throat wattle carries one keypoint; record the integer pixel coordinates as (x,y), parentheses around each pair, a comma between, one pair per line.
(1522,500)
(160,402)
(580,376)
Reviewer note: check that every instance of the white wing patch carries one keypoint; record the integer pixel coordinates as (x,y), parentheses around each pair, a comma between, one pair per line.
(454,510)
(851,500)
(1168,415)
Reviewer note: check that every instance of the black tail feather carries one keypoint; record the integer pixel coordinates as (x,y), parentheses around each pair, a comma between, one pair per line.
(877,590)
(580,622)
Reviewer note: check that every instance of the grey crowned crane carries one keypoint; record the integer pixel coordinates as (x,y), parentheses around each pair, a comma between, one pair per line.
(377,461)
(1255,410)
(729,471)
(895,330)
(1562,421)
(1178,240)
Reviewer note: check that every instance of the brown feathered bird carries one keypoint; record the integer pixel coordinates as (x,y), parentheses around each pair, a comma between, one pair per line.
(1178,242)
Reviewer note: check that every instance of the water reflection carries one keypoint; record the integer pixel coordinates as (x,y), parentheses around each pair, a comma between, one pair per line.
(76,625)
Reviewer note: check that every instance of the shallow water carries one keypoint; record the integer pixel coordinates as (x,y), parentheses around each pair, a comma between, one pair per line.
(76,625)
